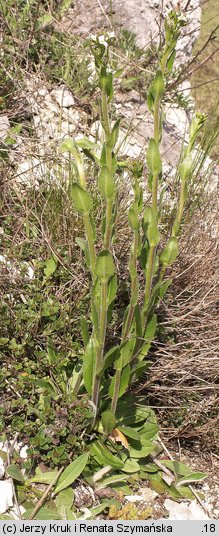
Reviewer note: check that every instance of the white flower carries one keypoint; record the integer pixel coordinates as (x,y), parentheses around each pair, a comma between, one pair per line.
(102,40)
(111,35)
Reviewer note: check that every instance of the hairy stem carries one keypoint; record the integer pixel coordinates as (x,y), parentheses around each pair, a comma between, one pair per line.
(100,349)
(128,324)
(109,202)
(90,241)
(116,390)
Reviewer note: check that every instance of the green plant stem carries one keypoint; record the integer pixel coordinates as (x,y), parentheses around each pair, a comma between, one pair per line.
(148,285)
(156,120)
(100,350)
(179,215)
(152,252)
(109,202)
(90,241)
(128,323)
(116,390)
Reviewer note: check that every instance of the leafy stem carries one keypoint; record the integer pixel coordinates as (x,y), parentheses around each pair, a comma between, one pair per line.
(101,343)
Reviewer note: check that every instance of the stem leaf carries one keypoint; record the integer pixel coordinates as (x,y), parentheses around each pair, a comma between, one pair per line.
(71,472)
(106,183)
(81,199)
(105,266)
(154,161)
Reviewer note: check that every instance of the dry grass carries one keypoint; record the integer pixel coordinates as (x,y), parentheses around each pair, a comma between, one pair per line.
(185,374)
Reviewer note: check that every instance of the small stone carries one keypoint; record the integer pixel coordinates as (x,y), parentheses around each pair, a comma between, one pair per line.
(23,451)
(6,495)
(2,469)
(63,96)
(148,494)
(183,511)
(134,498)
(4,126)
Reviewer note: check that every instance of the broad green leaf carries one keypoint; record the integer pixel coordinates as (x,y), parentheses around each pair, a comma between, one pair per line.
(139,368)
(112,290)
(43,478)
(95,318)
(85,143)
(172,491)
(106,82)
(138,323)
(133,219)
(186,493)
(124,382)
(84,331)
(42,514)
(148,216)
(89,365)
(150,227)
(170,61)
(130,432)
(108,421)
(106,183)
(150,428)
(110,480)
(45,385)
(64,501)
(3,455)
(105,266)
(128,412)
(50,266)
(157,87)
(130,466)
(179,468)
(142,450)
(192,477)
(115,133)
(163,288)
(75,377)
(157,291)
(65,5)
(170,252)
(81,199)
(150,99)
(14,472)
(44,21)
(125,354)
(186,167)
(84,247)
(71,473)
(68,145)
(143,351)
(156,482)
(151,328)
(104,456)
(110,356)
(148,467)
(154,161)
(153,234)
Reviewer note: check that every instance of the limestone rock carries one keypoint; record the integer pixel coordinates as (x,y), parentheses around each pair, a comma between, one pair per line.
(6,496)
(184,511)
